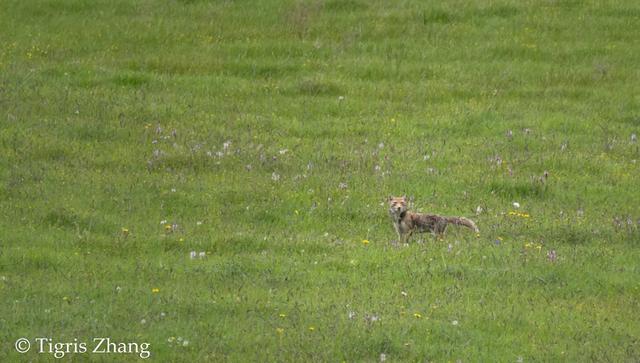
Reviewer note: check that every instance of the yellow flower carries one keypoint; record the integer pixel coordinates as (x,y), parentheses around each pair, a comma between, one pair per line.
(417,315)
(312,328)
(155,290)
(365,242)
(125,230)
(282,315)
(280,330)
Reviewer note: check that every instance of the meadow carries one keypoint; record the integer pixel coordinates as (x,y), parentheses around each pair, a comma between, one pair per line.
(211,177)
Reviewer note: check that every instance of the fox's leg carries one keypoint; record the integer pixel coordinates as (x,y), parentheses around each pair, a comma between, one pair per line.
(440,228)
(395,226)
(407,236)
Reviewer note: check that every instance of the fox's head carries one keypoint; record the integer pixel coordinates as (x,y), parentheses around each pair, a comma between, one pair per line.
(397,205)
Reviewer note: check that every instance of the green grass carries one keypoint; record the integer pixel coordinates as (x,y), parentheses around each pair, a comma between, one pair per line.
(270,133)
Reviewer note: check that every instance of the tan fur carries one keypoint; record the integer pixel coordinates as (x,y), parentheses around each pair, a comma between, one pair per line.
(406,222)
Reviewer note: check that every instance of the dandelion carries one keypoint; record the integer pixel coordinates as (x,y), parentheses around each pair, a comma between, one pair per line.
(198,223)
(383,357)
(185,343)
(282,315)
(340,98)
(552,255)
(143,321)
(403,293)
(365,242)
(371,318)
(275,176)
(312,328)
(280,331)
(155,290)
(519,214)
(167,228)
(125,231)
(417,315)
(516,205)
(454,323)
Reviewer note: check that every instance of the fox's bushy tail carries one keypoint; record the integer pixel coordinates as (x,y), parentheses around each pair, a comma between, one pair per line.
(462,221)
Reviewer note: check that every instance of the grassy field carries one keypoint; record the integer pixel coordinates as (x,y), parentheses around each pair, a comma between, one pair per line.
(264,137)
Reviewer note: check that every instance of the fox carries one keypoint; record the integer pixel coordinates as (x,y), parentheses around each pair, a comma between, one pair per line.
(406,223)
